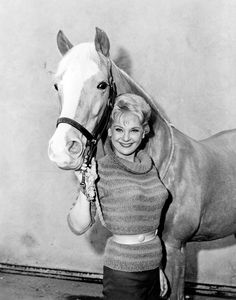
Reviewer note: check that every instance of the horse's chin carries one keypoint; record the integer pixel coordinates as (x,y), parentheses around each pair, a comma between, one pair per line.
(67,168)
(73,165)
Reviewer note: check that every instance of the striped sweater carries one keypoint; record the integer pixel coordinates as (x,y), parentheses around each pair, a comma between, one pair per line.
(131,197)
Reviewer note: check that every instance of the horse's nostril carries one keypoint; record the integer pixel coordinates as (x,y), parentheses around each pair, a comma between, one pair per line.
(74,147)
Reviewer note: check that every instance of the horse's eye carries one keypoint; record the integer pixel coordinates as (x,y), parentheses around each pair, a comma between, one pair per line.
(56,87)
(102,85)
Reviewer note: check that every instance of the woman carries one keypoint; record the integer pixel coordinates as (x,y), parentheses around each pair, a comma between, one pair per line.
(129,203)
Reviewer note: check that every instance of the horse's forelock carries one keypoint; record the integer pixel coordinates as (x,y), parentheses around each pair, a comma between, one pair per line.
(81,53)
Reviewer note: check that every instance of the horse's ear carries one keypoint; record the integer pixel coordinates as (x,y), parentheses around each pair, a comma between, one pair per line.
(63,43)
(102,43)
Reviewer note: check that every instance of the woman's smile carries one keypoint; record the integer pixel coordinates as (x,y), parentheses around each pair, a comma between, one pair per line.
(126,145)
(126,135)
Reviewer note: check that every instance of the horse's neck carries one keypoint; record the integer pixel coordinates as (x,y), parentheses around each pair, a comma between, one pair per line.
(126,84)
(160,146)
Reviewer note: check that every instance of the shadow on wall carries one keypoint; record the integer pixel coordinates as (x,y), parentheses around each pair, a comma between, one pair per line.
(98,236)
(123,60)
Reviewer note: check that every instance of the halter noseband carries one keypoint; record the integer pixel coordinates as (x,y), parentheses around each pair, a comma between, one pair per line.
(93,138)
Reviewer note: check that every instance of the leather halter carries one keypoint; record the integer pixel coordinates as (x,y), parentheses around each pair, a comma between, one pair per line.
(93,138)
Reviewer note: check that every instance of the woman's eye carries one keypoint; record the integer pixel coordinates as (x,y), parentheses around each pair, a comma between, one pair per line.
(56,87)
(102,85)
(118,129)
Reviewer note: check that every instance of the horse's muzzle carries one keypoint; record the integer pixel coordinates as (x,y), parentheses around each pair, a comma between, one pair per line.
(68,157)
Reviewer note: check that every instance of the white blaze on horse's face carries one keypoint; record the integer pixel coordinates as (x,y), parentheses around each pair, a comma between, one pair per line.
(78,77)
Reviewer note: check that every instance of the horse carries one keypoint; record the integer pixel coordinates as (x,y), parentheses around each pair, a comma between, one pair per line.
(199,175)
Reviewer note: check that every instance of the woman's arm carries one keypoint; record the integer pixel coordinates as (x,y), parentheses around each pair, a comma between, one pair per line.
(80,217)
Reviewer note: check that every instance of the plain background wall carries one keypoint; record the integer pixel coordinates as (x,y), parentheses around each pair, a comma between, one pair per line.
(182,52)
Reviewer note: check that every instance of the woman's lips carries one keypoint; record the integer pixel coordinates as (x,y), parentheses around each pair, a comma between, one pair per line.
(126,145)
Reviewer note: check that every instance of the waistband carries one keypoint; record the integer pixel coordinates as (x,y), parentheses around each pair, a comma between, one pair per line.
(130,239)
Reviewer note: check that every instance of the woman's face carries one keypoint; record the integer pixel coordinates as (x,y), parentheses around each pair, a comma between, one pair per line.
(126,134)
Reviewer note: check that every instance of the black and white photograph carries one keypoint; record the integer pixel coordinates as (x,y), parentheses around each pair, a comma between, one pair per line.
(118,150)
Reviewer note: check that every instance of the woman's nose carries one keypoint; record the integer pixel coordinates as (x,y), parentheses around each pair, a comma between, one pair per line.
(126,136)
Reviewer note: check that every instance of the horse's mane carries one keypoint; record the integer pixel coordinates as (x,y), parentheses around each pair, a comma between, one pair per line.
(154,105)
(162,131)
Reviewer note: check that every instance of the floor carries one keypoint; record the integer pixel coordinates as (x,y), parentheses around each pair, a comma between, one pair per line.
(21,287)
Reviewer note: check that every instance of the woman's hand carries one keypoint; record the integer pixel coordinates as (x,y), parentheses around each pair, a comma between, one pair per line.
(90,176)
(163,283)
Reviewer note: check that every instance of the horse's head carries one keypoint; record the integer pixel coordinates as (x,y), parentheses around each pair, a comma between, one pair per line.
(85,86)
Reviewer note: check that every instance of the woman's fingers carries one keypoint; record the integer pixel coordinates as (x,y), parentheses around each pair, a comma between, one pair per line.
(163,284)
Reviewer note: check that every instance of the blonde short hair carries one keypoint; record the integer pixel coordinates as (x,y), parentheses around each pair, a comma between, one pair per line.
(131,103)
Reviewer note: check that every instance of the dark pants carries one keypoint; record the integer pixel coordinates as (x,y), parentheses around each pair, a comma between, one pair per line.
(118,285)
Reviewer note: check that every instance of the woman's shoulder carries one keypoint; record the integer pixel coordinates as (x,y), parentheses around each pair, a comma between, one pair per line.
(102,159)
(145,155)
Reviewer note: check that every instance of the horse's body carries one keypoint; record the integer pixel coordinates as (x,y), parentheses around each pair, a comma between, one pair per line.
(200,175)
